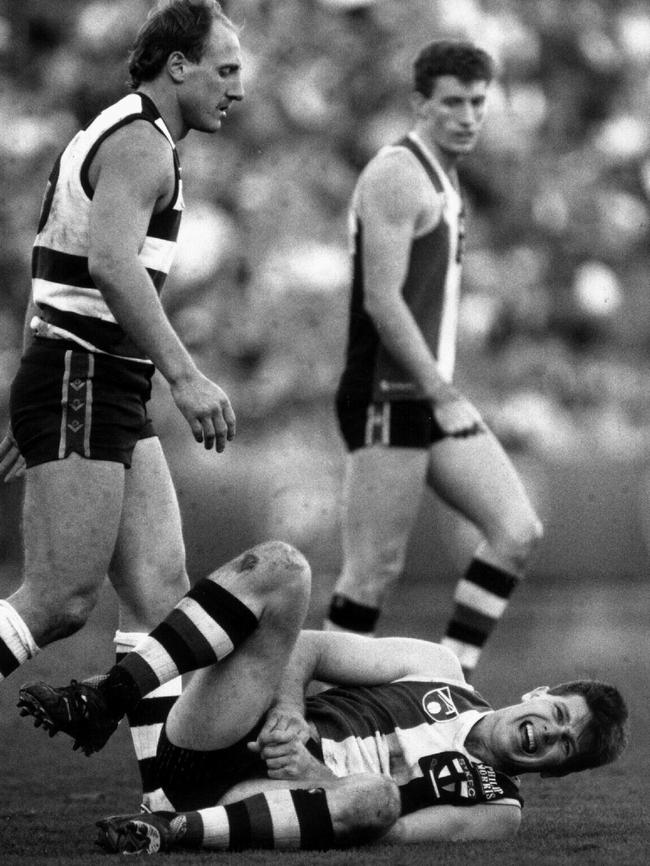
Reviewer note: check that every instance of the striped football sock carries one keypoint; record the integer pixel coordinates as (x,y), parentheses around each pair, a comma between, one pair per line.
(146,721)
(204,627)
(16,642)
(347,615)
(282,819)
(481,598)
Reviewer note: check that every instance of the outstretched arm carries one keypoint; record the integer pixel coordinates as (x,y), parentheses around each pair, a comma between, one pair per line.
(456,824)
(342,659)
(348,659)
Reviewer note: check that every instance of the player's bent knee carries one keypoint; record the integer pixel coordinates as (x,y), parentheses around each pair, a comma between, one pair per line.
(365,808)
(71,616)
(284,566)
(529,537)
(518,540)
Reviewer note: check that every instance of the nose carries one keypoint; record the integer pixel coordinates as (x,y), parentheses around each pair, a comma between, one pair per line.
(236,91)
(466,115)
(555,732)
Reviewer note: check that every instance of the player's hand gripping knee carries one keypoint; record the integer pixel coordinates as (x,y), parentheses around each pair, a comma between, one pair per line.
(207,409)
(457,416)
(287,757)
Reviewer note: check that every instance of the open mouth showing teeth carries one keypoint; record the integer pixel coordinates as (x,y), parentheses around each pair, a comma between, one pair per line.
(528,738)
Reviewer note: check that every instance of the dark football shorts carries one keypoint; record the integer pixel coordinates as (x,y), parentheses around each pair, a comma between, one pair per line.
(65,399)
(400,424)
(193,779)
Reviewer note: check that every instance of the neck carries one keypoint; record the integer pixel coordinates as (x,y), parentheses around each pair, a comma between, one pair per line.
(477,742)
(448,161)
(166,104)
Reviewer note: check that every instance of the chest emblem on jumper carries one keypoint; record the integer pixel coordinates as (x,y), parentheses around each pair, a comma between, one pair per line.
(439,705)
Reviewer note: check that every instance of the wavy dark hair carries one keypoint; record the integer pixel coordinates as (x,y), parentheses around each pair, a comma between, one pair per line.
(463,60)
(179,25)
(606,734)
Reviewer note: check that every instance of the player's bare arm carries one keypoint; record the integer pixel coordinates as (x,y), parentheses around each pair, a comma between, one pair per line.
(339,658)
(348,659)
(456,824)
(132,177)
(395,207)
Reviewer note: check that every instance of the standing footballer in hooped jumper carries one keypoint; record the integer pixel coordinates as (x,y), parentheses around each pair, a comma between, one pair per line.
(404,423)
(99,497)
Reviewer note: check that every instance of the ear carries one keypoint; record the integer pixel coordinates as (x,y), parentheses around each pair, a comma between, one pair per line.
(537,692)
(177,66)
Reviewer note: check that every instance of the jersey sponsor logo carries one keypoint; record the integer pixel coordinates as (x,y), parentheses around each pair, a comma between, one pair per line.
(451,777)
(487,779)
(439,705)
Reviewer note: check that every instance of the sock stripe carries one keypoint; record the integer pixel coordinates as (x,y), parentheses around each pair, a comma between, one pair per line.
(493,579)
(8,661)
(141,672)
(260,821)
(469,594)
(465,634)
(351,615)
(236,619)
(316,830)
(151,711)
(476,620)
(184,642)
(200,629)
(239,824)
(148,768)
(195,830)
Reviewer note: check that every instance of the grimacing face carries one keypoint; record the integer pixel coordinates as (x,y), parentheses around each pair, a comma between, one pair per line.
(454,113)
(214,83)
(540,733)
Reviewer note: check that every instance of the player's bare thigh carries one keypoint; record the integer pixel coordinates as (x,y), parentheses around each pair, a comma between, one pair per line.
(148,566)
(475,476)
(383,489)
(221,703)
(70,523)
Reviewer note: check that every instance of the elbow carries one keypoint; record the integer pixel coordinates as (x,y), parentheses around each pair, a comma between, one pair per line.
(109,271)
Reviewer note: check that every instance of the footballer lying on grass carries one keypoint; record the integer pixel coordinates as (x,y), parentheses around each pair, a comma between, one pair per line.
(400,749)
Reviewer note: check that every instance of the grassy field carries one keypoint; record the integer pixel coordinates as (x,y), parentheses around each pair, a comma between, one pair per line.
(555,630)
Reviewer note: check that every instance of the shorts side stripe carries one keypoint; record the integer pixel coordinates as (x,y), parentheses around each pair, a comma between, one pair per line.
(89,405)
(65,392)
(370,423)
(378,424)
(385,423)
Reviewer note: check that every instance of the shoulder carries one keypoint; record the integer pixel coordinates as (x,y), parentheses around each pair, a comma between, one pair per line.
(395,184)
(137,155)
(138,139)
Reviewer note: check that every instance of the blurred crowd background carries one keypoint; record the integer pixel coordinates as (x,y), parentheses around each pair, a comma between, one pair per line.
(555,321)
